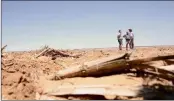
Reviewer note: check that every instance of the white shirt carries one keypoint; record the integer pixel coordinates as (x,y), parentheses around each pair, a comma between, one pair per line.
(131,34)
(120,36)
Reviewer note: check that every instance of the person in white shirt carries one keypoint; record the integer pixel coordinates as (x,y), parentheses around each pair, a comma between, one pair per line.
(131,38)
(120,39)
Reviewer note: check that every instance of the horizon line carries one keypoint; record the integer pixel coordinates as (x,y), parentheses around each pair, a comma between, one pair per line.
(86,48)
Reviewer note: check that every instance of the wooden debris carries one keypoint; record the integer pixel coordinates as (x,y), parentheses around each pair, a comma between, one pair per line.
(108,91)
(46,97)
(169,68)
(93,68)
(55,53)
(41,53)
(140,61)
(165,72)
(105,66)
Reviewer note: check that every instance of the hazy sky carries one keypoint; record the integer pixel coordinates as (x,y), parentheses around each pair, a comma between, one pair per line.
(29,25)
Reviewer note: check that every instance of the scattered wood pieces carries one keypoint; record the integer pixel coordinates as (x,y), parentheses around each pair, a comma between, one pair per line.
(55,53)
(107,65)
(41,53)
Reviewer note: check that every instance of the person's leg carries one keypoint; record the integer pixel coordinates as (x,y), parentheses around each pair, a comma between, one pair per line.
(127,43)
(130,44)
(119,44)
(133,43)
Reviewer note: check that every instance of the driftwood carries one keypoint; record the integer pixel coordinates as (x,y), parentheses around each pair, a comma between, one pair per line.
(105,66)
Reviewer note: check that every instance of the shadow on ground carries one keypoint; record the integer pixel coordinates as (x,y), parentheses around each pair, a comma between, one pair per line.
(157,92)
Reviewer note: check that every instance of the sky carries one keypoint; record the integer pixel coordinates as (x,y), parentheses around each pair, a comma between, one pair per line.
(29,25)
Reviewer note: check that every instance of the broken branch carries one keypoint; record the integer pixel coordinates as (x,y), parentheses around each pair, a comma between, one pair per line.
(45,50)
(3,47)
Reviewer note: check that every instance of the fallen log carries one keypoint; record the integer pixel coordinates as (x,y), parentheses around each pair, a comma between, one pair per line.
(97,67)
(104,66)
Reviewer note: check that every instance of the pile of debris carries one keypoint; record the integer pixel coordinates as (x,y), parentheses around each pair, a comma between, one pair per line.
(103,67)
(55,53)
(16,79)
(22,79)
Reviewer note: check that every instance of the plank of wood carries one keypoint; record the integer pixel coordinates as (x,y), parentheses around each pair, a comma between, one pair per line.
(105,90)
(47,97)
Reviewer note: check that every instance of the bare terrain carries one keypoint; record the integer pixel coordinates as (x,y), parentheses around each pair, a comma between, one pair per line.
(19,69)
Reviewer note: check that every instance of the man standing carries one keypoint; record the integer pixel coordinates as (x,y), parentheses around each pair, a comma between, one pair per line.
(120,39)
(131,38)
(128,39)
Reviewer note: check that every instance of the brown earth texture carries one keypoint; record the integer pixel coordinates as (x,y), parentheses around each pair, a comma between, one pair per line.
(19,68)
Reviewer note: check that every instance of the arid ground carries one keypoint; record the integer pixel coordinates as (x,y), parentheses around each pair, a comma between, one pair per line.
(18,69)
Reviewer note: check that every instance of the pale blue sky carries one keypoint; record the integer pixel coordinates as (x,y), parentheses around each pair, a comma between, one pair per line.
(28,25)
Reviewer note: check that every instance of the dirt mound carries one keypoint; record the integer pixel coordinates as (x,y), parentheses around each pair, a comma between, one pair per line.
(16,81)
(17,86)
(19,69)
(17,75)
